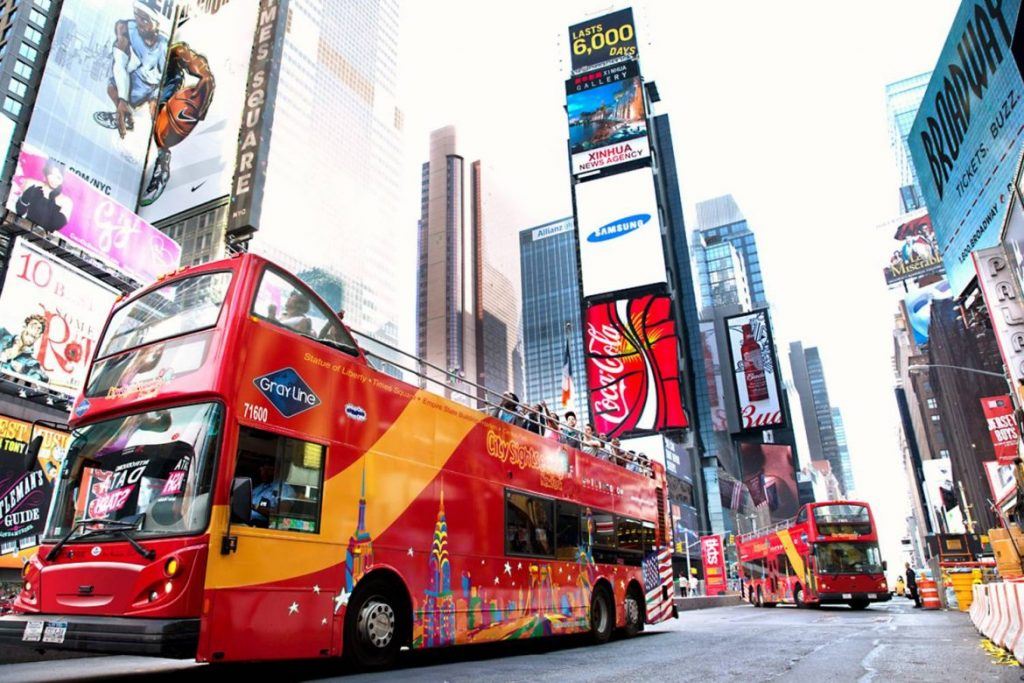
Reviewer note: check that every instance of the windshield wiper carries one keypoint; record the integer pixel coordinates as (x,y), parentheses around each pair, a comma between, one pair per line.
(112,525)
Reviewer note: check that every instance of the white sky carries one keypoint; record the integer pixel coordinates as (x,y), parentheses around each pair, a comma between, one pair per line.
(779,103)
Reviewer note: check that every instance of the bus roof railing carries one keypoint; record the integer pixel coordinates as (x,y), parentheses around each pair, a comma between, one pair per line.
(605,450)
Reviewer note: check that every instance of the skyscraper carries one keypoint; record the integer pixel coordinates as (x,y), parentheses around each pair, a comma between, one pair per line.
(809,378)
(467,303)
(722,273)
(551,298)
(720,220)
(902,100)
(844,449)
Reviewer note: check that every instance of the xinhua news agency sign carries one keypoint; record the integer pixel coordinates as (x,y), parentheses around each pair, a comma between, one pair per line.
(1005,308)
(968,132)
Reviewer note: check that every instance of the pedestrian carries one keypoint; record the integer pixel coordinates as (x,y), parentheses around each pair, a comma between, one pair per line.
(603,450)
(693,584)
(534,421)
(570,435)
(900,586)
(618,455)
(912,585)
(550,421)
(508,410)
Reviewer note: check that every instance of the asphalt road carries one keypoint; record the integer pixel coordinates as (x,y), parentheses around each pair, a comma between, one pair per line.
(891,642)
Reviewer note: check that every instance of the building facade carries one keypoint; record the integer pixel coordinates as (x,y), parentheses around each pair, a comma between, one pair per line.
(552,314)
(902,100)
(809,380)
(844,450)
(722,273)
(720,220)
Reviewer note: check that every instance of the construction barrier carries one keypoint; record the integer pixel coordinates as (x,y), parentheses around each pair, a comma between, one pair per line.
(929,594)
(997,611)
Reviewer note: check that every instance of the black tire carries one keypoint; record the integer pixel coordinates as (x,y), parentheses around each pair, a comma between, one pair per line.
(373,625)
(760,598)
(602,615)
(798,597)
(859,604)
(633,608)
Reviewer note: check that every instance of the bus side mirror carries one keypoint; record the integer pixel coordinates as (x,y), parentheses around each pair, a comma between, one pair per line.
(241,500)
(30,459)
(885,566)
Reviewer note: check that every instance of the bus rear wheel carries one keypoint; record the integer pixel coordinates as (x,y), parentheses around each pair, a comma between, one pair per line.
(372,626)
(760,598)
(602,618)
(634,612)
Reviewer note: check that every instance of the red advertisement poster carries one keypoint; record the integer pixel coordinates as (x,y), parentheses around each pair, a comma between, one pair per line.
(633,367)
(1002,427)
(713,555)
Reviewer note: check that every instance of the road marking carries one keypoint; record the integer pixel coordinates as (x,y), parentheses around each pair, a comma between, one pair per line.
(871,671)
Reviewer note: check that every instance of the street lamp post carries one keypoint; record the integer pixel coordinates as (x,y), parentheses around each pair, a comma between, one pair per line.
(926,366)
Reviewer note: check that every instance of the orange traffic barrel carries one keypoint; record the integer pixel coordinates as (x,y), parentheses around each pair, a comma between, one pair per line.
(929,593)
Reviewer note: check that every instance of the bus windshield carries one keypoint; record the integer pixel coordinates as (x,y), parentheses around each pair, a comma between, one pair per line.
(153,470)
(833,520)
(178,307)
(848,558)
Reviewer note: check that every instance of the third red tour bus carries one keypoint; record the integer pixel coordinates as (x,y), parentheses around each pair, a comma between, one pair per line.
(242,484)
(827,554)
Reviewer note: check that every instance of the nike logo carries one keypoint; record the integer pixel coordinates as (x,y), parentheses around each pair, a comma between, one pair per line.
(196,187)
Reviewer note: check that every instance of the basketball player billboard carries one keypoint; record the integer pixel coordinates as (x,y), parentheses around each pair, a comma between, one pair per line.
(769,475)
(199,110)
(51,316)
(97,99)
(754,371)
(632,359)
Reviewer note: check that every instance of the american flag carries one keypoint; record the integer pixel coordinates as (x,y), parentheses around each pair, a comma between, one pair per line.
(567,383)
(657,577)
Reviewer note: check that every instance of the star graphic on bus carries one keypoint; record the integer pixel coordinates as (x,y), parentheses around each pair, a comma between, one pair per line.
(495,580)
(340,599)
(508,569)
(409,552)
(316,589)
(293,608)
(323,622)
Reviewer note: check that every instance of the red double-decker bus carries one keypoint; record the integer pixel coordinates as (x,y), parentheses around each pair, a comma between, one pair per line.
(827,554)
(242,484)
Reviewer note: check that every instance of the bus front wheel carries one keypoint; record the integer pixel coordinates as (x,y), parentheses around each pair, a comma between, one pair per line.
(798,597)
(602,618)
(859,604)
(372,628)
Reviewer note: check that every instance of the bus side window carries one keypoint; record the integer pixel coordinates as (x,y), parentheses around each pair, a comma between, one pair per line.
(529,524)
(287,477)
(567,531)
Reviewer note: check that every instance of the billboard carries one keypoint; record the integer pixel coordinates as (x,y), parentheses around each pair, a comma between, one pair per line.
(1000,479)
(919,308)
(93,109)
(604,39)
(25,497)
(940,494)
(252,149)
(769,474)
(619,233)
(46,193)
(967,134)
(916,253)
(1002,427)
(607,118)
(713,378)
(632,358)
(754,371)
(712,554)
(208,63)
(51,316)
(1006,310)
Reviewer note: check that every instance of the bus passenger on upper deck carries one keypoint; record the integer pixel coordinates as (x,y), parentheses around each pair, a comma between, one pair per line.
(294,314)
(570,435)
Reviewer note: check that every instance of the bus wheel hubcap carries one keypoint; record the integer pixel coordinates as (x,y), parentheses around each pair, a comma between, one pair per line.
(377,623)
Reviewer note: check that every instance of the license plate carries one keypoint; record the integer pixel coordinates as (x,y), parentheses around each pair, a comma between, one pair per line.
(847,596)
(55,632)
(33,631)
(873,596)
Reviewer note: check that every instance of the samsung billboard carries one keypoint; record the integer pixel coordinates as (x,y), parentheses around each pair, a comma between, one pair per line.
(966,138)
(619,233)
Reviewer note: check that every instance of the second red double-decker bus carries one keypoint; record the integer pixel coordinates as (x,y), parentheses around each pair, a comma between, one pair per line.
(827,554)
(242,484)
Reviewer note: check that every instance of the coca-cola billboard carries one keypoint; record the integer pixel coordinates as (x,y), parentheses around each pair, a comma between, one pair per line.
(632,358)
(755,371)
